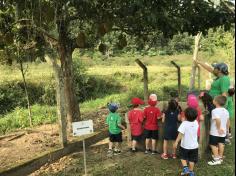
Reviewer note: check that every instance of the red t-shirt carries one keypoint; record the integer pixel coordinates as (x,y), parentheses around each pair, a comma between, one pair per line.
(151,113)
(135,119)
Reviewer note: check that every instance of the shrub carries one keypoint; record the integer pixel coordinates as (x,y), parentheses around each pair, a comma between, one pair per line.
(19,118)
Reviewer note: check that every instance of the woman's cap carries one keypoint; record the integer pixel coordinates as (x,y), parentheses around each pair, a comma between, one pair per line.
(137,101)
(221,66)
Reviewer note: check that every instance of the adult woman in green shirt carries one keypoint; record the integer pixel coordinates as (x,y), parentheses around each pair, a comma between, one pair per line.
(221,83)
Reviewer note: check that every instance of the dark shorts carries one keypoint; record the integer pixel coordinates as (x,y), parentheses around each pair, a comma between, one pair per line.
(190,155)
(215,140)
(136,138)
(115,137)
(170,134)
(150,134)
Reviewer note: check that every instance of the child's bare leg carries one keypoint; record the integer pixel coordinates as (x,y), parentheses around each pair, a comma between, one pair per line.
(165,146)
(174,149)
(116,146)
(215,151)
(147,142)
(191,166)
(110,145)
(134,144)
(184,163)
(153,144)
(221,149)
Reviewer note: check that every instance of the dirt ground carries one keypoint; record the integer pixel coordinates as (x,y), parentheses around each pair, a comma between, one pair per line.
(24,145)
(130,164)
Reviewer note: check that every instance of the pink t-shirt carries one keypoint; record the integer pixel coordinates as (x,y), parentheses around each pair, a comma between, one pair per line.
(135,117)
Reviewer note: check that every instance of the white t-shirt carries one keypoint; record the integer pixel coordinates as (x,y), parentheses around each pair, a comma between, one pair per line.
(223,115)
(189,131)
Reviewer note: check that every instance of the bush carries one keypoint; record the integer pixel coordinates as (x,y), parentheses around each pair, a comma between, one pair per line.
(19,118)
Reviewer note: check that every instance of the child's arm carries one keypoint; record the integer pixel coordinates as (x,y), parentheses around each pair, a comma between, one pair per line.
(163,117)
(179,117)
(201,118)
(121,126)
(218,126)
(180,136)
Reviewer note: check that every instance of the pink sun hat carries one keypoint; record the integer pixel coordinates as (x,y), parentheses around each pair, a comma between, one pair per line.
(192,101)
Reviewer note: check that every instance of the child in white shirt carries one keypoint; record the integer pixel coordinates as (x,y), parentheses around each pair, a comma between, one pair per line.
(219,128)
(189,141)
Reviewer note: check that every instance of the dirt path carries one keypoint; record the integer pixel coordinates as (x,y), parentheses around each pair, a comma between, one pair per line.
(21,146)
(130,164)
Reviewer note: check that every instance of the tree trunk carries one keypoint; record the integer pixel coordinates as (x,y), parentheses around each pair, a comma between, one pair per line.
(26,93)
(60,96)
(72,106)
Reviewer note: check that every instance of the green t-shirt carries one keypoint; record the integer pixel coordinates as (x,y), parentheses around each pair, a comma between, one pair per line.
(113,120)
(219,86)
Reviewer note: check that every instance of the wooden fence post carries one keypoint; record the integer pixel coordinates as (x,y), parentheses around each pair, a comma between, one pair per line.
(192,80)
(179,77)
(145,78)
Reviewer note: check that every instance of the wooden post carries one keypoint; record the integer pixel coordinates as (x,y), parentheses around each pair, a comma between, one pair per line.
(179,77)
(192,80)
(145,78)
(199,77)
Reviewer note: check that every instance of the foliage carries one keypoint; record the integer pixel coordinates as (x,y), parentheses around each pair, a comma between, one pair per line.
(18,118)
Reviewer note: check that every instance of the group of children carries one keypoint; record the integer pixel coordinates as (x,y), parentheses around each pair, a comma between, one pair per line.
(144,123)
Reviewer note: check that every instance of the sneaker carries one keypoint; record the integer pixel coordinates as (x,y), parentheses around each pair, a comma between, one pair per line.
(147,151)
(173,156)
(227,141)
(191,173)
(164,156)
(154,152)
(134,150)
(215,162)
(117,152)
(110,151)
(220,157)
(185,171)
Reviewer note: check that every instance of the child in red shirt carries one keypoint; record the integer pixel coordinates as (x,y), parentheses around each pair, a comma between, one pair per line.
(192,102)
(151,115)
(135,117)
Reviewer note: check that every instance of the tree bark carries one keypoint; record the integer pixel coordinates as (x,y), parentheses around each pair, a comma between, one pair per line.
(26,92)
(60,97)
(65,53)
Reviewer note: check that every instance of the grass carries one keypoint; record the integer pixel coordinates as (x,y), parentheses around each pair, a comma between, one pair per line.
(123,70)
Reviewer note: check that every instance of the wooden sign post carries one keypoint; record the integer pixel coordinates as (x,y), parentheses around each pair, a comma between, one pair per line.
(80,129)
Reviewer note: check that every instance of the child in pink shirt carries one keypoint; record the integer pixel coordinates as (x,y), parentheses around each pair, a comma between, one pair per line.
(135,117)
(192,102)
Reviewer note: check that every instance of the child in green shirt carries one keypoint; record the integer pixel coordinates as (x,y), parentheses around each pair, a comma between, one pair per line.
(114,124)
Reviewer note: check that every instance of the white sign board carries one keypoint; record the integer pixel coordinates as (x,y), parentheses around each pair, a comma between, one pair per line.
(82,128)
